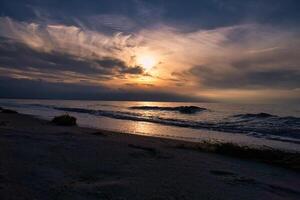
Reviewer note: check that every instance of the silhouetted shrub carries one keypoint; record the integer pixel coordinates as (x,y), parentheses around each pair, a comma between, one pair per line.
(64,120)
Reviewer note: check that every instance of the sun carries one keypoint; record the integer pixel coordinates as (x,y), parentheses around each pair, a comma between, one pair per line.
(146,61)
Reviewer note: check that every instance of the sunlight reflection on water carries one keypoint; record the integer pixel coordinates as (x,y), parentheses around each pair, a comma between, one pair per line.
(215,113)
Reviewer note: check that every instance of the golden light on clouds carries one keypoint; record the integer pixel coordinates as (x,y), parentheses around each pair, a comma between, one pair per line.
(222,63)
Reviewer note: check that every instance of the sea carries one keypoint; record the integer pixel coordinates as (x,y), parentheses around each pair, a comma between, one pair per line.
(263,125)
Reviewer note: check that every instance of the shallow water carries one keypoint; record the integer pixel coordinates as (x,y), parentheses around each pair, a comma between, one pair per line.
(272,125)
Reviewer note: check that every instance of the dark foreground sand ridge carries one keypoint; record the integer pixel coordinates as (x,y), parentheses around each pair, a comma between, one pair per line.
(39,160)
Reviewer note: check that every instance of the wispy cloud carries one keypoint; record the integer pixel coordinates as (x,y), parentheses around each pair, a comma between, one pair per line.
(234,58)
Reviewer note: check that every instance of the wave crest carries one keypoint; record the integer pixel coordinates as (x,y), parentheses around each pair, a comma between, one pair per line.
(261,125)
(258,115)
(181,109)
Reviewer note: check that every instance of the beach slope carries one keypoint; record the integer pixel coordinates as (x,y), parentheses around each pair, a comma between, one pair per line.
(39,160)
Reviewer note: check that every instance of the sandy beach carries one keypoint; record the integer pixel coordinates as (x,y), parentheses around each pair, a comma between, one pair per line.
(39,160)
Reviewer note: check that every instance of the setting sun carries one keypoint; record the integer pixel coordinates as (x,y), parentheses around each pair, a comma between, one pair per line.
(146,61)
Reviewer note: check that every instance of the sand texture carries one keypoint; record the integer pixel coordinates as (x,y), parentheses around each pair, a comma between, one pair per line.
(39,160)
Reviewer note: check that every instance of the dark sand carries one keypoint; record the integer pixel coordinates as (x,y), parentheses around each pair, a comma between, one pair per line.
(39,160)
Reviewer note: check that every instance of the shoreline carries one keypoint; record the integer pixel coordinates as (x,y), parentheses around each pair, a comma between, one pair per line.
(280,157)
(43,161)
(283,139)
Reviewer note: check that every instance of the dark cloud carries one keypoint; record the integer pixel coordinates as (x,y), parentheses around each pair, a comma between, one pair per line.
(133,70)
(210,77)
(119,65)
(24,88)
(19,56)
(83,44)
(201,13)
(253,66)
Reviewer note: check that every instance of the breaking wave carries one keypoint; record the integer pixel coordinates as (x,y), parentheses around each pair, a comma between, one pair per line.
(181,109)
(261,125)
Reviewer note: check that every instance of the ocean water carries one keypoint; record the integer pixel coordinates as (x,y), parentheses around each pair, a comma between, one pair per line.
(276,126)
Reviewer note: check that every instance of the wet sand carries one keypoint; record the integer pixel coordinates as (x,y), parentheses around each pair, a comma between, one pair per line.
(39,160)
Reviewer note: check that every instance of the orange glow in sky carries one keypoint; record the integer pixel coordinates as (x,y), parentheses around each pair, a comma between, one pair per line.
(146,61)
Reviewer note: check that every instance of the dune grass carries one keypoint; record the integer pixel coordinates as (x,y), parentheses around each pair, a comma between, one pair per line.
(268,155)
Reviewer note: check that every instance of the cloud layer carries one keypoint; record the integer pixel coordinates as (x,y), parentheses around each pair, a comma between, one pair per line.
(245,59)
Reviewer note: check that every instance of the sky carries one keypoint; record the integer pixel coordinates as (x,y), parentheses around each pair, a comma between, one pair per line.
(151,50)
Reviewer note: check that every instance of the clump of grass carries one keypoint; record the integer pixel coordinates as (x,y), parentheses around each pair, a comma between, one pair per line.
(268,155)
(64,120)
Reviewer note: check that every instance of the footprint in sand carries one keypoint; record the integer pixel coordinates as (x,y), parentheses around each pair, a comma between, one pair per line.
(221,173)
(232,178)
(4,123)
(146,152)
(279,190)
